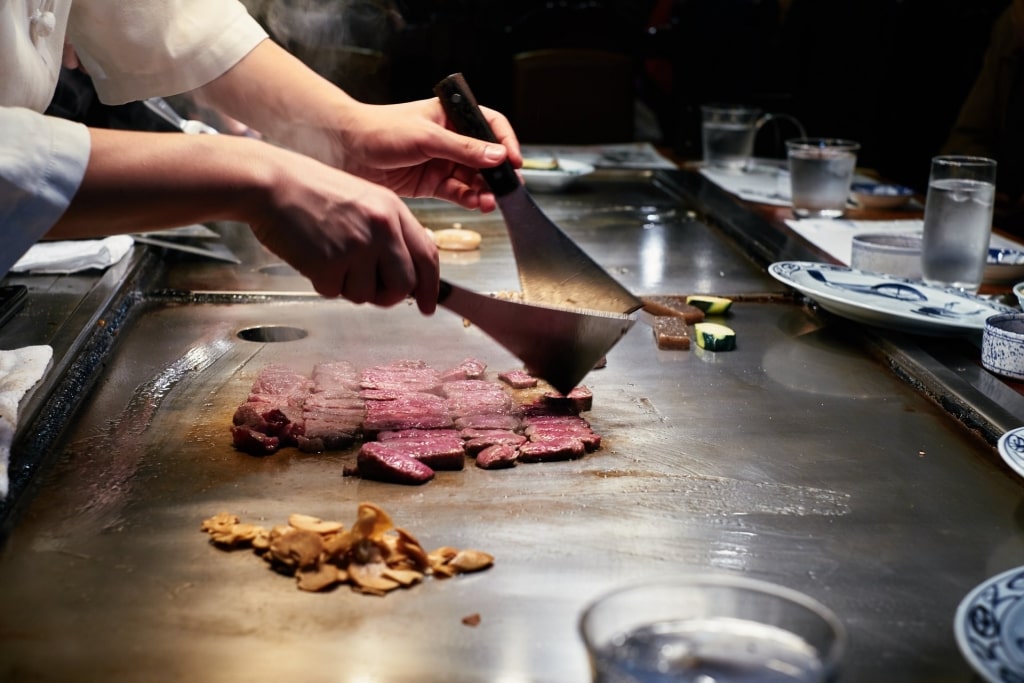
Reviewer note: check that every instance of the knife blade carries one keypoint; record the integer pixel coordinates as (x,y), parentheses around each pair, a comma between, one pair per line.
(208,252)
(559,345)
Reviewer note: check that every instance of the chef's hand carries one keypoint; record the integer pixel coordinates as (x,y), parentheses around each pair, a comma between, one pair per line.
(350,237)
(412,149)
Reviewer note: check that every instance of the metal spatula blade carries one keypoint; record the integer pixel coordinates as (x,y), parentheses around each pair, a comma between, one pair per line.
(559,345)
(553,270)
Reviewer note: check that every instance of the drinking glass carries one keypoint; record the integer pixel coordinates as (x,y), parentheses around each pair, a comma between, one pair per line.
(820,175)
(727,134)
(958,221)
(723,628)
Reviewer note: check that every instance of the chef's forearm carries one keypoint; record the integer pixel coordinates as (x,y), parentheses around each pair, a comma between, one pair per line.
(273,92)
(145,181)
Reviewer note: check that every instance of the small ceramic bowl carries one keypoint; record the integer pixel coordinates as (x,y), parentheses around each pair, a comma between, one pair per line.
(1018,291)
(889,253)
(1004,265)
(556,179)
(880,195)
(1002,345)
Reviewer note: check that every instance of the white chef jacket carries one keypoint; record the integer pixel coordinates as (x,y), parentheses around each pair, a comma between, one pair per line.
(132,49)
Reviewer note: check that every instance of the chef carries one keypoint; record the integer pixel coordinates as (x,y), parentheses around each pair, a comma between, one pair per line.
(324,196)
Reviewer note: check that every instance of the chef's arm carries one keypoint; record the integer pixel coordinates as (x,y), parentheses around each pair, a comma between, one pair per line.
(408,147)
(350,237)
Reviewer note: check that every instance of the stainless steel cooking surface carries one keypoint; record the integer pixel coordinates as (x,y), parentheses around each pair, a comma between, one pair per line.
(801,458)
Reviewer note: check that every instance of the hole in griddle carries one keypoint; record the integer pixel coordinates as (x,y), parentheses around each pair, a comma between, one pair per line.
(278,269)
(272,333)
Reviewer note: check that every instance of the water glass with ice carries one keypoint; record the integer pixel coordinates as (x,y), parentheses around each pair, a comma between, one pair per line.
(958,221)
(712,627)
(820,175)
(727,135)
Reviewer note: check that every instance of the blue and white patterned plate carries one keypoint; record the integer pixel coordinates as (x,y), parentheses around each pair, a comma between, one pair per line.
(1004,265)
(1011,449)
(888,301)
(989,627)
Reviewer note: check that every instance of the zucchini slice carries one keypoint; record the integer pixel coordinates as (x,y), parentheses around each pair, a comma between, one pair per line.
(714,337)
(712,305)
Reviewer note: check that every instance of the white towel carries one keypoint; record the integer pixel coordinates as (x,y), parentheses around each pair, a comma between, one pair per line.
(20,370)
(71,256)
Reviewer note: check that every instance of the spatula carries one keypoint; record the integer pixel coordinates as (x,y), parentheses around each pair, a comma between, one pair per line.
(558,344)
(553,270)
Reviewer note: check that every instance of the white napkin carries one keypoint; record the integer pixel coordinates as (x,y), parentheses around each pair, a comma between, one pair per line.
(71,256)
(641,155)
(20,370)
(764,182)
(835,236)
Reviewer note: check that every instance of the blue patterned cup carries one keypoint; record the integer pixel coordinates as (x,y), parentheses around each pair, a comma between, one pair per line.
(1002,345)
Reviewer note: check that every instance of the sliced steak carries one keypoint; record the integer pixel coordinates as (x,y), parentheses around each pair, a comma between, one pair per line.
(475,445)
(377,461)
(518,379)
(411,410)
(580,399)
(440,449)
(335,378)
(402,376)
(247,439)
(470,368)
(498,456)
(487,421)
(565,448)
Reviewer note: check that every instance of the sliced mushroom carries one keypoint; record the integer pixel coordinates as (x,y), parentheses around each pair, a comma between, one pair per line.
(318,577)
(314,524)
(471,561)
(406,577)
(299,548)
(370,579)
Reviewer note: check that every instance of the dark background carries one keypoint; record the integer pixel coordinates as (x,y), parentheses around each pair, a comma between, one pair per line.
(890,74)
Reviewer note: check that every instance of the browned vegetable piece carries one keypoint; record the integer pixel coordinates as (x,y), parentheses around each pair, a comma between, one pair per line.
(471,620)
(671,333)
(672,305)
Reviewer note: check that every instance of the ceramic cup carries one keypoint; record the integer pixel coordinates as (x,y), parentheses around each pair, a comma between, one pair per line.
(892,254)
(820,175)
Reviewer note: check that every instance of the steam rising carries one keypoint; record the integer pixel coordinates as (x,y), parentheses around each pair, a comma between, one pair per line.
(346,41)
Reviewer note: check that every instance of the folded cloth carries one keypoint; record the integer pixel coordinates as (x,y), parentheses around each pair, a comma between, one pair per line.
(71,256)
(20,370)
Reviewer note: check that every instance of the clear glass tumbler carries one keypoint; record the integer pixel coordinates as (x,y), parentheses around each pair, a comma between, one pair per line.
(712,627)
(958,221)
(820,175)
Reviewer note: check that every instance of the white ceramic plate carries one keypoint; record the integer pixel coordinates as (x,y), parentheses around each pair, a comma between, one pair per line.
(880,195)
(1004,265)
(989,627)
(568,172)
(887,301)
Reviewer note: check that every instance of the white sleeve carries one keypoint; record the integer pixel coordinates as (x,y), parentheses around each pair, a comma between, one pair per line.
(42,163)
(150,48)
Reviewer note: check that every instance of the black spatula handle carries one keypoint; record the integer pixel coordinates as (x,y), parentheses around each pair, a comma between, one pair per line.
(461,107)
